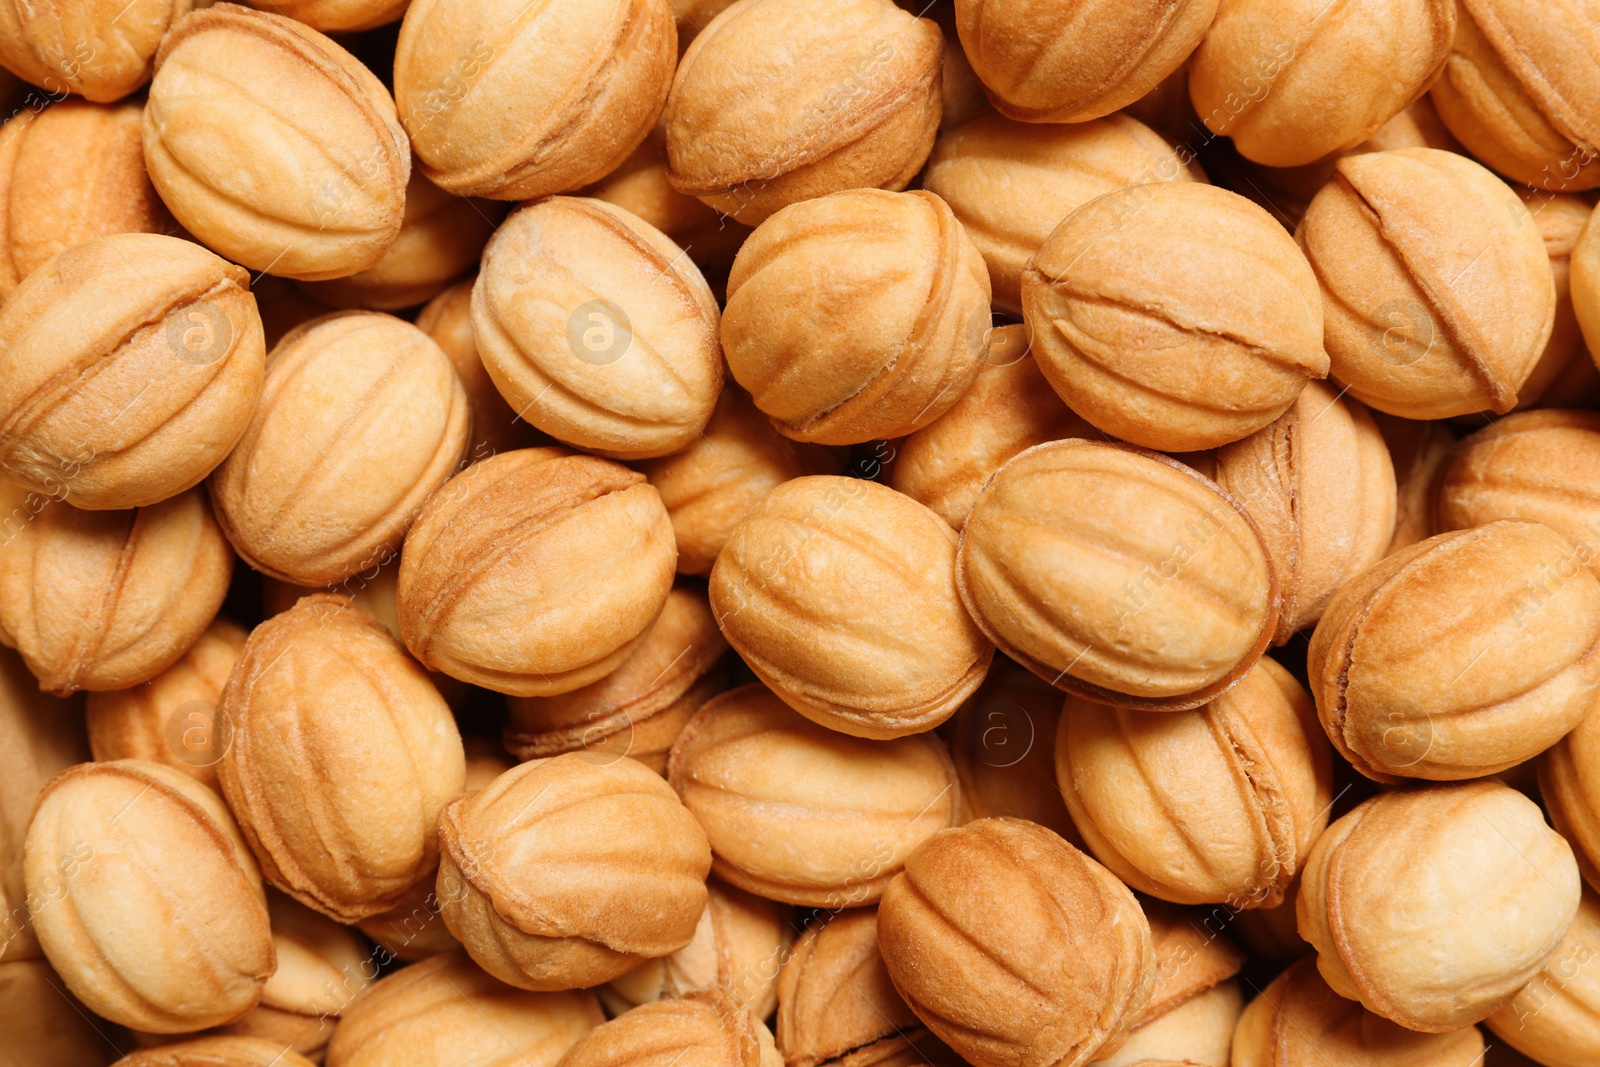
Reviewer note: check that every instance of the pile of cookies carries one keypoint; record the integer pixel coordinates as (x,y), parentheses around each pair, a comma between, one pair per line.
(800,533)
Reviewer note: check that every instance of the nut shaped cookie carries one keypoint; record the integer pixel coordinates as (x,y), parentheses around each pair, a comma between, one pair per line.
(1460,656)
(1118,575)
(841,596)
(857,316)
(849,100)
(307,180)
(568,872)
(1174,315)
(515,103)
(535,572)
(1058,976)
(1434,906)
(129,368)
(1076,61)
(1437,287)
(146,899)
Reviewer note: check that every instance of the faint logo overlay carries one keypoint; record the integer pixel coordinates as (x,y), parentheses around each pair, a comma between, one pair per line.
(200,334)
(1153,580)
(199,733)
(1402,332)
(978,332)
(772,568)
(599,333)
(449,90)
(1407,734)
(1005,733)
(606,737)
(870,460)
(1560,973)
(859,883)
(1002,349)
